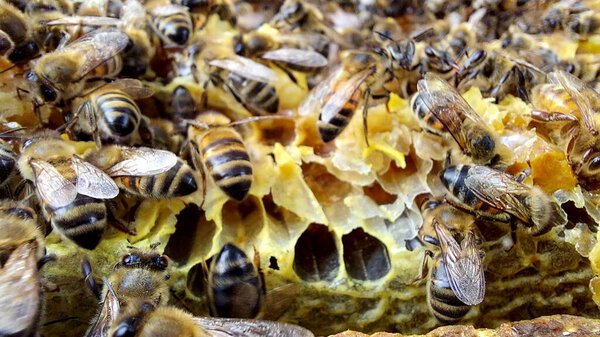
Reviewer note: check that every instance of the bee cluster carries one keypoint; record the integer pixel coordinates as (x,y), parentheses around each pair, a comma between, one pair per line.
(208,167)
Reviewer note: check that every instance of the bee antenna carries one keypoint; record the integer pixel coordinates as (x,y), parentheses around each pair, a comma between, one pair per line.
(422,35)
(60,320)
(154,245)
(7,69)
(7,132)
(383,35)
(109,287)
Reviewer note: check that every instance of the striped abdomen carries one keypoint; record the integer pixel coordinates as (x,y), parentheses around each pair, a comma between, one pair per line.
(109,68)
(182,103)
(227,160)
(83,220)
(118,115)
(235,287)
(259,95)
(427,118)
(443,303)
(453,177)
(178,181)
(330,129)
(175,27)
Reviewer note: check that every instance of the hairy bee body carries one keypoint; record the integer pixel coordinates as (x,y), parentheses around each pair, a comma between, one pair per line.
(173,24)
(8,162)
(183,104)
(424,114)
(19,226)
(260,96)
(235,286)
(107,69)
(16,35)
(441,299)
(332,128)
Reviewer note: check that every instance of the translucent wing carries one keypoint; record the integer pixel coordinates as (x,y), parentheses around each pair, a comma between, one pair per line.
(448,106)
(499,190)
(52,187)
(109,310)
(233,327)
(300,57)
(91,181)
(96,47)
(580,94)
(314,41)
(168,10)
(142,161)
(134,88)
(84,21)
(19,291)
(246,67)
(315,97)
(464,265)
(342,94)
(133,13)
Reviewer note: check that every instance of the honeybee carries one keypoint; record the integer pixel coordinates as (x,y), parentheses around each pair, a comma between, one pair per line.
(20,292)
(61,75)
(140,275)
(585,23)
(250,83)
(19,226)
(499,74)
(220,148)
(145,320)
(137,56)
(164,134)
(495,195)
(16,35)
(456,279)
(232,274)
(172,23)
(438,104)
(584,66)
(69,188)
(183,105)
(8,162)
(110,113)
(146,172)
(576,100)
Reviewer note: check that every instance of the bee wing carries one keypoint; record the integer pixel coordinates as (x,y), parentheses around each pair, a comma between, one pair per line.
(315,97)
(499,190)
(246,67)
(278,300)
(168,10)
(315,41)
(109,311)
(97,46)
(143,161)
(84,21)
(446,104)
(342,94)
(300,57)
(19,291)
(52,187)
(233,327)
(579,93)
(132,87)
(464,265)
(91,181)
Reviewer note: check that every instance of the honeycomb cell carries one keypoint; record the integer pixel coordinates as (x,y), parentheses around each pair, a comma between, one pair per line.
(316,256)
(196,280)
(366,257)
(189,239)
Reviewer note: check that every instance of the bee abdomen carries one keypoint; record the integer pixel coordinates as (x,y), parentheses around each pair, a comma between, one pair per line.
(120,112)
(330,129)
(109,68)
(228,162)
(178,181)
(176,27)
(443,303)
(82,221)
(262,95)
(182,103)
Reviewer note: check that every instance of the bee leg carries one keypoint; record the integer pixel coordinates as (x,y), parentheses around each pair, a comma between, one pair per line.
(45,259)
(260,271)
(365,115)
(521,91)
(473,74)
(86,270)
(116,222)
(64,40)
(495,90)
(424,268)
(523,175)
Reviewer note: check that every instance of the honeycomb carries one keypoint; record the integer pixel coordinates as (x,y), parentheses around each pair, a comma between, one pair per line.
(334,218)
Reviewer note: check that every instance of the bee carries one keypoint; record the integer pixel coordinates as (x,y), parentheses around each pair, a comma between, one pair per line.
(8,162)
(146,172)
(585,23)
(222,151)
(21,294)
(456,279)
(250,83)
(581,132)
(145,320)
(440,107)
(19,226)
(499,74)
(302,52)
(16,35)
(164,134)
(139,275)
(584,66)
(232,274)
(62,74)
(495,195)
(183,105)
(70,189)
(110,113)
(139,52)
(172,23)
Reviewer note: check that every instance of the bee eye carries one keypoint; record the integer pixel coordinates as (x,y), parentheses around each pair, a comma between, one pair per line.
(160,262)
(48,94)
(594,164)
(130,259)
(127,328)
